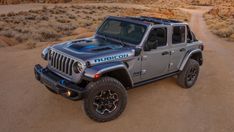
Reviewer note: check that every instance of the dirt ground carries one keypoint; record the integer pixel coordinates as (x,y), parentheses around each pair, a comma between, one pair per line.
(161,106)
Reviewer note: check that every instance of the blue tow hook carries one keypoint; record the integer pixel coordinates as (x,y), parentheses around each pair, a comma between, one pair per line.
(62,82)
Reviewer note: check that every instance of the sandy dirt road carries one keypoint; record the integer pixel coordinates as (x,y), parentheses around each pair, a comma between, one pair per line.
(25,104)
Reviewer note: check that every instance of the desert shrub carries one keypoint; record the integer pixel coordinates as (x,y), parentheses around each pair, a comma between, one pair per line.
(49,35)
(232,37)
(33,11)
(10,14)
(9,20)
(2,24)
(3,15)
(42,17)
(57,10)
(30,45)
(8,33)
(44,8)
(21,37)
(65,27)
(45,34)
(63,20)
(17,21)
(21,29)
(85,12)
(84,23)
(30,17)
(70,16)
(73,6)
(220,21)
(67,33)
(222,27)
(223,32)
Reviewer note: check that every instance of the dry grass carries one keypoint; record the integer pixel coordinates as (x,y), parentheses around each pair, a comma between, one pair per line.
(51,24)
(168,13)
(220,21)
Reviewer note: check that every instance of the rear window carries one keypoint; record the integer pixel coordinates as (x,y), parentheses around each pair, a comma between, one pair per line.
(178,35)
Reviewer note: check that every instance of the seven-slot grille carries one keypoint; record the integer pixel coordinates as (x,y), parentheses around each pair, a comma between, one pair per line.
(61,62)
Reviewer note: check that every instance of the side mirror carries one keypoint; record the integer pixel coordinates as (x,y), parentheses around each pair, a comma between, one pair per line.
(137,51)
(151,45)
(189,41)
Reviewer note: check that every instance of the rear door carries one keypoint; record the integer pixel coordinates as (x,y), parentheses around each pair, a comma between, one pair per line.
(178,46)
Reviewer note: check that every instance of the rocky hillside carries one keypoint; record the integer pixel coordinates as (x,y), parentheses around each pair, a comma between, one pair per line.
(32,1)
(195,2)
(220,20)
(210,2)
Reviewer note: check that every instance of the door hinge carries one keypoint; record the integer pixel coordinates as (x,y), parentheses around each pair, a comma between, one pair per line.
(143,71)
(170,65)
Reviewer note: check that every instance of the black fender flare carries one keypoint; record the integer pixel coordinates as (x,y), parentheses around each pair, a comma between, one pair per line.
(188,56)
(105,68)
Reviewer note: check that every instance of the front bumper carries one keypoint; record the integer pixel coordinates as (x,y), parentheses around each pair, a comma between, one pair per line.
(58,84)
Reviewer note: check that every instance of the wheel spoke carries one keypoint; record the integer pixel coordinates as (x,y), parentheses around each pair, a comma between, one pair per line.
(106,101)
(192,74)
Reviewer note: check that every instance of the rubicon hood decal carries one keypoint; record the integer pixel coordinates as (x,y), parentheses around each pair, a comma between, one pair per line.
(109,58)
(112,57)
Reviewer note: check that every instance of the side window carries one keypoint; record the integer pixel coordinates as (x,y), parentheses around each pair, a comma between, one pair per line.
(189,35)
(158,35)
(178,35)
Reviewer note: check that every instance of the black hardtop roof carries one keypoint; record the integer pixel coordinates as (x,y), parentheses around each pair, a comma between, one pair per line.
(148,20)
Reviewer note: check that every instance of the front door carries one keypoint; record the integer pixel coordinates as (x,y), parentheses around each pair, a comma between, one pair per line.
(155,61)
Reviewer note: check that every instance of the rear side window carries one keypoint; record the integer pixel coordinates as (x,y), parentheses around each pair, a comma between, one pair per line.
(178,35)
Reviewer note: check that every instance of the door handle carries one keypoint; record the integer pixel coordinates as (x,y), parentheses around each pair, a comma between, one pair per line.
(165,53)
(182,50)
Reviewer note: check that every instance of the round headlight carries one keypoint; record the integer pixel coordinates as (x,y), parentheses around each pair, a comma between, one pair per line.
(77,67)
(44,53)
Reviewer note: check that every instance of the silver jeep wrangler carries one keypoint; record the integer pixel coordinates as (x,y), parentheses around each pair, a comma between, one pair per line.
(125,52)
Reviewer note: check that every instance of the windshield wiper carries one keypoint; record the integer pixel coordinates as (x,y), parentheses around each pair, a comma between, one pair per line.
(105,37)
(118,39)
(123,43)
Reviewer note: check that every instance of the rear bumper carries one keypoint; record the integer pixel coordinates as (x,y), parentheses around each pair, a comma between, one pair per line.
(58,84)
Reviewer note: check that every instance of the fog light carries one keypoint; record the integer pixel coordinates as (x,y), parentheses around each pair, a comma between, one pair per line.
(68,93)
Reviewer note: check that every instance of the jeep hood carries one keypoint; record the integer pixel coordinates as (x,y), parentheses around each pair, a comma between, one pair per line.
(96,50)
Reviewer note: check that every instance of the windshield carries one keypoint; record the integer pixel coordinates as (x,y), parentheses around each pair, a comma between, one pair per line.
(123,31)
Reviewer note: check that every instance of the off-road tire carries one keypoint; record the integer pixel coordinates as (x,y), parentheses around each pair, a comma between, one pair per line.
(94,88)
(183,76)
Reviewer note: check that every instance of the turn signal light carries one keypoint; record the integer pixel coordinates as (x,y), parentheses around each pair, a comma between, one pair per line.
(96,76)
(201,47)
